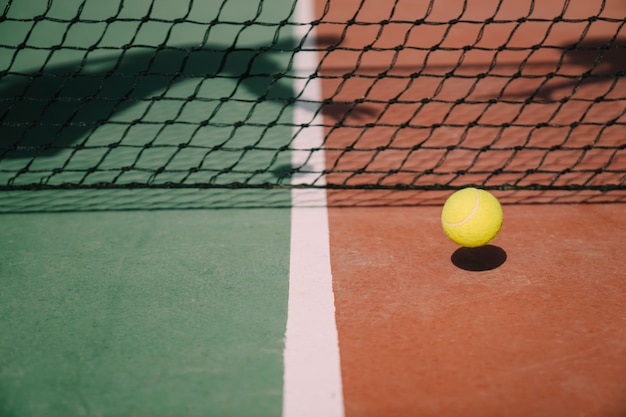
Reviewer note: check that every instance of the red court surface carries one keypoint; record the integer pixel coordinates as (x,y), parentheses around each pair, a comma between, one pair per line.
(532,325)
(482,101)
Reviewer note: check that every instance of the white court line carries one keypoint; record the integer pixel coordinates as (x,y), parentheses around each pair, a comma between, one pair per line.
(312,380)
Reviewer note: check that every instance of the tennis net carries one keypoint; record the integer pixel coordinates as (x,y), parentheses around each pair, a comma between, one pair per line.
(415,94)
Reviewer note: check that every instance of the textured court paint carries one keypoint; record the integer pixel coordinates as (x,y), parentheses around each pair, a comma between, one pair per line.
(162,313)
(149,313)
(541,335)
(312,385)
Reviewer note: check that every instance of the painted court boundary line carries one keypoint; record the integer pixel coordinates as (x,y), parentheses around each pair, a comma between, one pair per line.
(312,379)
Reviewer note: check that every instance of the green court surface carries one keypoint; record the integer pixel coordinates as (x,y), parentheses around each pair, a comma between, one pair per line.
(155,313)
(108,306)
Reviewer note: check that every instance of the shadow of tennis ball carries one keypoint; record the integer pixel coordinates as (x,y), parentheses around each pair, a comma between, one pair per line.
(484,258)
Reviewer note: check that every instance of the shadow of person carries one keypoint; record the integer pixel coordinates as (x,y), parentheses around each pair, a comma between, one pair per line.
(58,107)
(49,110)
(593,62)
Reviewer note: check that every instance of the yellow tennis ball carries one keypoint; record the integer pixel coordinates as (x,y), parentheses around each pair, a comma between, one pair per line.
(471,217)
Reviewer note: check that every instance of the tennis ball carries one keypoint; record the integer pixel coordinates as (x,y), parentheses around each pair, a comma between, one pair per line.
(471,217)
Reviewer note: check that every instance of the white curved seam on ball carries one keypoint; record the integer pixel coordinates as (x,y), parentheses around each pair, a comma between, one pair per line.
(468,218)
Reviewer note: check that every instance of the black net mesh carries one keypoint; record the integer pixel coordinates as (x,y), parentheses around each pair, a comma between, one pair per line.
(201,94)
